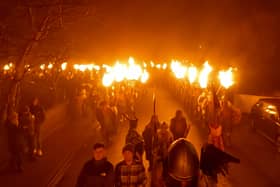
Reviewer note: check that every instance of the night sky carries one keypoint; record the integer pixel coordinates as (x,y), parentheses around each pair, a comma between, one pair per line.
(226,32)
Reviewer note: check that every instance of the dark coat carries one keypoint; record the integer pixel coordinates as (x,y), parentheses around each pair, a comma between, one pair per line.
(26,122)
(39,113)
(15,138)
(96,174)
(149,134)
(134,138)
(179,128)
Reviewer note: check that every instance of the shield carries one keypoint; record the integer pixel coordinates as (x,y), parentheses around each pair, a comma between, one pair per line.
(183,162)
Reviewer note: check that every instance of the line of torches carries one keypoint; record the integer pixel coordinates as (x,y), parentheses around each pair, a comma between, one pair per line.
(226,77)
(131,71)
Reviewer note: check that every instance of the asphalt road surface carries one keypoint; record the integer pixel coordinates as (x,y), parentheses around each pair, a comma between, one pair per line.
(67,145)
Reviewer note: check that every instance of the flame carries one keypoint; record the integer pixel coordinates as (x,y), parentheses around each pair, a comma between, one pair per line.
(158,66)
(6,67)
(89,67)
(64,66)
(50,66)
(145,76)
(203,77)
(226,78)
(178,69)
(96,67)
(192,74)
(42,66)
(144,65)
(106,67)
(164,66)
(152,64)
(131,60)
(134,71)
(108,79)
(119,71)
(84,67)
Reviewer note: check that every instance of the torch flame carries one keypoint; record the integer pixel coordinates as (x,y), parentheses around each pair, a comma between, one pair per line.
(144,65)
(131,60)
(144,76)
(134,71)
(192,74)
(64,66)
(158,66)
(42,66)
(6,67)
(203,77)
(226,78)
(96,67)
(84,67)
(50,66)
(89,67)
(119,71)
(178,69)
(108,79)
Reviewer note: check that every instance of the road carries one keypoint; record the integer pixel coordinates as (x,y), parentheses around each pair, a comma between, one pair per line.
(69,146)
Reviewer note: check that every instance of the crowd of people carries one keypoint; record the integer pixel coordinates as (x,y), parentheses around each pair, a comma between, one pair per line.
(213,108)
(110,110)
(24,134)
(217,114)
(154,141)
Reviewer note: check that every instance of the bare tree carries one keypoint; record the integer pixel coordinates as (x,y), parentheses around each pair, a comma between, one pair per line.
(25,31)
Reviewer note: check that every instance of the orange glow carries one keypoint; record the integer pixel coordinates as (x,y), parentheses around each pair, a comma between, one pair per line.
(107,79)
(50,66)
(226,78)
(144,65)
(158,66)
(192,74)
(145,76)
(134,71)
(204,75)
(178,69)
(119,71)
(64,66)
(42,66)
(6,67)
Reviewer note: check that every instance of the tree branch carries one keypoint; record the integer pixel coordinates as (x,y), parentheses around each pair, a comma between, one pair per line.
(30,45)
(30,12)
(60,14)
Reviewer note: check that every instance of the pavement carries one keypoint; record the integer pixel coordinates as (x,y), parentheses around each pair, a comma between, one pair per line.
(67,146)
(53,123)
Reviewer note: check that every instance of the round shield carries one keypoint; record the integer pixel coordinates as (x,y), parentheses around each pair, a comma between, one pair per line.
(183,162)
